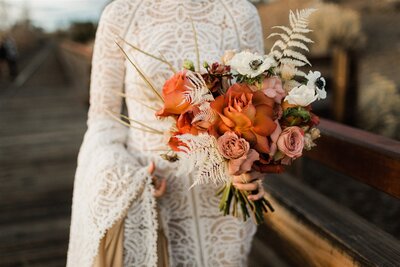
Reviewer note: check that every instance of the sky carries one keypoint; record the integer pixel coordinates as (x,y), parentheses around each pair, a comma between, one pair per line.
(53,14)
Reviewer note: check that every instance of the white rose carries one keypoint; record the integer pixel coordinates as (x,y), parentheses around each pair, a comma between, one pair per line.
(251,65)
(301,96)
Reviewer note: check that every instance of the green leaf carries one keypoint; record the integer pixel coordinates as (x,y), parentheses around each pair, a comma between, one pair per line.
(251,81)
(297,112)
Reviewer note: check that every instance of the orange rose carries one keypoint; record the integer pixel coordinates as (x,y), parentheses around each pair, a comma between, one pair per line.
(174,98)
(184,122)
(248,113)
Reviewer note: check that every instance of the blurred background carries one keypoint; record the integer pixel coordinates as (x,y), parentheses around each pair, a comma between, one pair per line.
(45,55)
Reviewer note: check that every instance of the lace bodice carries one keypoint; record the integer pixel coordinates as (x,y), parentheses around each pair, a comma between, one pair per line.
(111,180)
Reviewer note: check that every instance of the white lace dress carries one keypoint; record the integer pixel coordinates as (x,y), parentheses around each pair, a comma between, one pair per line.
(112,180)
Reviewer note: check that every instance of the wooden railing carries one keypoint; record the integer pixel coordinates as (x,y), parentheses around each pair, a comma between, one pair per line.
(309,229)
(370,158)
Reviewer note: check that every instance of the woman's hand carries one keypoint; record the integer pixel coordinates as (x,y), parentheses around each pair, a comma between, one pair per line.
(160,185)
(250,182)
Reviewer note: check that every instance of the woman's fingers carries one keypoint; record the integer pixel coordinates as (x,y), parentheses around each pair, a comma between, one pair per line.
(160,187)
(243,178)
(152,167)
(247,187)
(253,186)
(259,195)
(247,177)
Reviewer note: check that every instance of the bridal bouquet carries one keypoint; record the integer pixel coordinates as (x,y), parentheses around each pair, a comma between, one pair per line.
(247,112)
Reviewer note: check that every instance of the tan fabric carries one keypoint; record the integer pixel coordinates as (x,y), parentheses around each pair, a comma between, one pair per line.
(162,249)
(111,248)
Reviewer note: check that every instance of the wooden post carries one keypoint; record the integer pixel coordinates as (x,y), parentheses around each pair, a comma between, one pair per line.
(345,85)
(340,80)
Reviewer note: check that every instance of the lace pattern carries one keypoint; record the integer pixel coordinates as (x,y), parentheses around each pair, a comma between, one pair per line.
(111,179)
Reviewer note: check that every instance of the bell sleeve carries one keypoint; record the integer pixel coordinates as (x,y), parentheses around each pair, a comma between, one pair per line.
(108,179)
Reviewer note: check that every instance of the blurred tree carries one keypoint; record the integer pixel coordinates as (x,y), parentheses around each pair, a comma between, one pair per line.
(82,32)
(379,107)
(338,26)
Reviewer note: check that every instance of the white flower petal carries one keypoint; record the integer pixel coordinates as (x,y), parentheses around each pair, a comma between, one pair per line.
(301,96)
(241,64)
(321,93)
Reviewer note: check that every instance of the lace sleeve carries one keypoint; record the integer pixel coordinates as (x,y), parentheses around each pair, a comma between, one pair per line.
(248,25)
(108,178)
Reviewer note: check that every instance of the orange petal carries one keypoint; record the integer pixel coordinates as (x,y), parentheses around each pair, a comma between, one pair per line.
(174,104)
(226,120)
(238,88)
(174,143)
(250,137)
(223,128)
(259,98)
(240,120)
(250,112)
(262,145)
(218,104)
(263,123)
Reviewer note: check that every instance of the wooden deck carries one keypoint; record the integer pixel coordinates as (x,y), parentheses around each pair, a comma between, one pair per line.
(42,123)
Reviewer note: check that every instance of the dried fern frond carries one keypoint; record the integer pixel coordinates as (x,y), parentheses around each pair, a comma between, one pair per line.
(197,92)
(200,156)
(292,39)
(206,113)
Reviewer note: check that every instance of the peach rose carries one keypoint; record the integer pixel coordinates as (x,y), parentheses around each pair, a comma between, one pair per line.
(272,87)
(237,150)
(246,113)
(173,93)
(291,143)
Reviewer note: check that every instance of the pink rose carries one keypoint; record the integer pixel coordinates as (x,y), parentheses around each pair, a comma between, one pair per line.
(272,87)
(238,151)
(291,143)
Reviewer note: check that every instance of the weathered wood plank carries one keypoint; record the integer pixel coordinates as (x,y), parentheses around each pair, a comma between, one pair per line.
(370,158)
(262,255)
(310,230)
(36,206)
(41,128)
(40,147)
(47,175)
(34,241)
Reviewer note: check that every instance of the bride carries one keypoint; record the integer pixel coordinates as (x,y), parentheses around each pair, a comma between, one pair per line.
(122,214)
